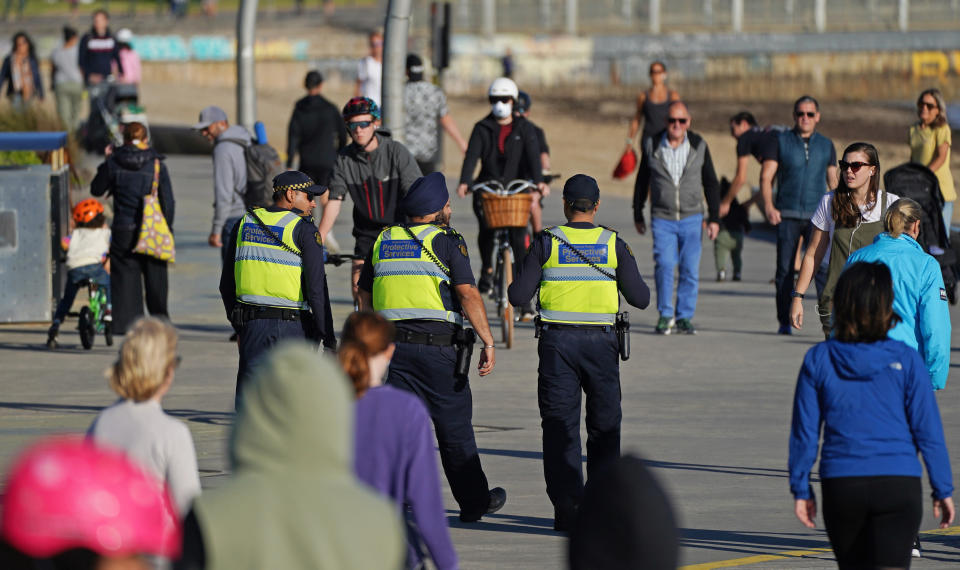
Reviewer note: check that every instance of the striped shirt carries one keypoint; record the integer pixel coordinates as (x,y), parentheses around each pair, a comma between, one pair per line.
(675,158)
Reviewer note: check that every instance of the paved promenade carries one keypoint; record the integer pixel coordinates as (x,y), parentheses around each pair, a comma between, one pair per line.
(710,412)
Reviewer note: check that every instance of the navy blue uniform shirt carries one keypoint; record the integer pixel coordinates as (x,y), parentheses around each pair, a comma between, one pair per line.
(631,285)
(451,249)
(314,277)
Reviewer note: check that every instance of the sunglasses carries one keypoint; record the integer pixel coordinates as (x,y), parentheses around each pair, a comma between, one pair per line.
(854,167)
(927,106)
(359,125)
(499,99)
(679,120)
(658,71)
(807,114)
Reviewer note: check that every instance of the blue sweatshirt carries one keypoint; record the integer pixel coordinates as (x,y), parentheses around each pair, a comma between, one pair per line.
(919,298)
(395,455)
(877,410)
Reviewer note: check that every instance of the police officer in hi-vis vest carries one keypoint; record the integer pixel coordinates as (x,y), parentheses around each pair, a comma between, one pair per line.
(273,283)
(580,269)
(418,276)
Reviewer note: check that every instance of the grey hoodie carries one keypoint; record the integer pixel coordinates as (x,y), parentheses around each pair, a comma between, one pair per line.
(229,176)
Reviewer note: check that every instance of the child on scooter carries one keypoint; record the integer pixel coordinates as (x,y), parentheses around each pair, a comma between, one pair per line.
(86,259)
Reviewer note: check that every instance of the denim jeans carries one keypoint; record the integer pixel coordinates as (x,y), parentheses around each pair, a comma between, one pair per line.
(95,272)
(677,242)
(947,215)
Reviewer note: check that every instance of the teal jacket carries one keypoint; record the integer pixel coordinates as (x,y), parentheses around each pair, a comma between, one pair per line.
(919,298)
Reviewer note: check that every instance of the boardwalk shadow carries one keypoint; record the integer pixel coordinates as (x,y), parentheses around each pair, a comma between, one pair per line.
(721,469)
(746,542)
(196,416)
(517,524)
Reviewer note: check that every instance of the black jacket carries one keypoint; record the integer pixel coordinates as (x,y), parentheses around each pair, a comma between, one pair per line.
(128,175)
(520,158)
(316,132)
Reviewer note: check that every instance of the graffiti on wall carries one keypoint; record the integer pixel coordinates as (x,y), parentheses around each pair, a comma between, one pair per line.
(215,48)
(935,63)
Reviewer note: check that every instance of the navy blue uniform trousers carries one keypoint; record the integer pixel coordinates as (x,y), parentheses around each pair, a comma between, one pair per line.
(428,372)
(575,359)
(255,338)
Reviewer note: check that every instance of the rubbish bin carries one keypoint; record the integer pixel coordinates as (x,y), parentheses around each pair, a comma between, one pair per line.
(34,216)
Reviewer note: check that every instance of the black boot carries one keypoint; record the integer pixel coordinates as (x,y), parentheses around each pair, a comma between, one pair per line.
(52,335)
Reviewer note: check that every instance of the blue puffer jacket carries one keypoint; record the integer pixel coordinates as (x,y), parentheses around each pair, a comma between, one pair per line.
(919,298)
(874,404)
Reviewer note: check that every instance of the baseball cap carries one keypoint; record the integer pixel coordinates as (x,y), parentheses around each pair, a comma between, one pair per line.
(426,195)
(208,116)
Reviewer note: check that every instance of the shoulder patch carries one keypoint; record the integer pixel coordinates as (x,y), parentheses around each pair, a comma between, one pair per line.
(463,249)
(943,294)
(316,236)
(629,251)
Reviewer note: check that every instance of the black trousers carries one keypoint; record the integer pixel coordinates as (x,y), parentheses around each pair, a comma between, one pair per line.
(255,338)
(575,360)
(789,232)
(428,372)
(872,521)
(517,238)
(130,275)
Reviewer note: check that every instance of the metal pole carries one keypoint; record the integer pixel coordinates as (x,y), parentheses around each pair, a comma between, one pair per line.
(737,16)
(394,56)
(654,16)
(903,15)
(820,15)
(246,66)
(489,17)
(571,16)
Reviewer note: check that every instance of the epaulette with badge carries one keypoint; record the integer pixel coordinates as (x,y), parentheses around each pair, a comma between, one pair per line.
(617,237)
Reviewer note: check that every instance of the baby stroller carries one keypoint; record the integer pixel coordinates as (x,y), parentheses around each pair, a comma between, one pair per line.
(118,105)
(919,183)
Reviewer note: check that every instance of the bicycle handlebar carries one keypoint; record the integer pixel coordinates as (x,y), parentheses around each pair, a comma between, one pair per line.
(338,259)
(496,187)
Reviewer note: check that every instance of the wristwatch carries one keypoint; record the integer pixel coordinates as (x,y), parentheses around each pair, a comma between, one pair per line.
(796,295)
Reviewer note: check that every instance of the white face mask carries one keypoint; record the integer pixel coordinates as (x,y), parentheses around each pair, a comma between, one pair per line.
(502,110)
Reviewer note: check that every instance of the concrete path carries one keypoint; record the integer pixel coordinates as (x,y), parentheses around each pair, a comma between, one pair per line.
(711,412)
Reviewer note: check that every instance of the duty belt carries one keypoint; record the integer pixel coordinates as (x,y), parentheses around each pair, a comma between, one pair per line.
(425,338)
(253,312)
(585,328)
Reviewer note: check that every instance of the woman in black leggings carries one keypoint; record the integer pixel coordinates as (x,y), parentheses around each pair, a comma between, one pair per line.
(871,398)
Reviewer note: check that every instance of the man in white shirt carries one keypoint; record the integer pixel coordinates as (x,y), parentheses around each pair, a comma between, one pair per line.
(370,70)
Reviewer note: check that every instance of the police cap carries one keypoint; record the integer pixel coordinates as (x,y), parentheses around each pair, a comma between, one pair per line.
(427,195)
(296,180)
(581,187)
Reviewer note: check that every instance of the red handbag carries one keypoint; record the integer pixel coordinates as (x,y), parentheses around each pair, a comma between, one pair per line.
(628,162)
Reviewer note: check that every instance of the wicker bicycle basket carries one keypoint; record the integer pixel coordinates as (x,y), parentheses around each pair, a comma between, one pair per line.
(506,211)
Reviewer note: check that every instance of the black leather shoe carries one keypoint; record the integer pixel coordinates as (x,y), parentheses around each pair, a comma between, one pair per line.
(497,499)
(485,283)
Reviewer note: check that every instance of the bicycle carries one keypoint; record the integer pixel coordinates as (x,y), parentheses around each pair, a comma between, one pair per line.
(504,207)
(92,317)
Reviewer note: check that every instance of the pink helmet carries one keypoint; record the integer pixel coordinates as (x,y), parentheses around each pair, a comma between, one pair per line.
(65,492)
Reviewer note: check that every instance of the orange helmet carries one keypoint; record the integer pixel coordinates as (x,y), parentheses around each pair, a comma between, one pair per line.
(86,210)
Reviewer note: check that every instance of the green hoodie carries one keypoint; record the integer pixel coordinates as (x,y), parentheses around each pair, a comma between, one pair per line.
(293,501)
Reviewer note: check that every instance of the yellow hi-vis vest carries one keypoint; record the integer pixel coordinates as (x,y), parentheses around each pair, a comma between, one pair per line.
(572,292)
(406,281)
(267,274)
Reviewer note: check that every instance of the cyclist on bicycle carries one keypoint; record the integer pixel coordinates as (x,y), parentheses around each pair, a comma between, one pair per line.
(524,102)
(86,260)
(507,148)
(376,171)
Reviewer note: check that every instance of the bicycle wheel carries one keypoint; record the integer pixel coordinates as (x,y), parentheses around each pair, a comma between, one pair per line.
(87,328)
(506,278)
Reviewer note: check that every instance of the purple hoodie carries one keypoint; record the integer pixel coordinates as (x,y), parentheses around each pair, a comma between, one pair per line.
(395,455)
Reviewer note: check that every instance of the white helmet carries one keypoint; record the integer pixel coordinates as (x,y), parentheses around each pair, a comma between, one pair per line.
(124,35)
(503,87)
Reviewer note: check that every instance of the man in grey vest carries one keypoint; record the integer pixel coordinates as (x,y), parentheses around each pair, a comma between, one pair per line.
(677,172)
(805,167)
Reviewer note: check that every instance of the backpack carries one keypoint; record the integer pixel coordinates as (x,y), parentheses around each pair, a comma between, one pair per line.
(263,163)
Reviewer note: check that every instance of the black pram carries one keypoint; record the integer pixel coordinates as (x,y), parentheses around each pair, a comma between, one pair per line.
(919,183)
